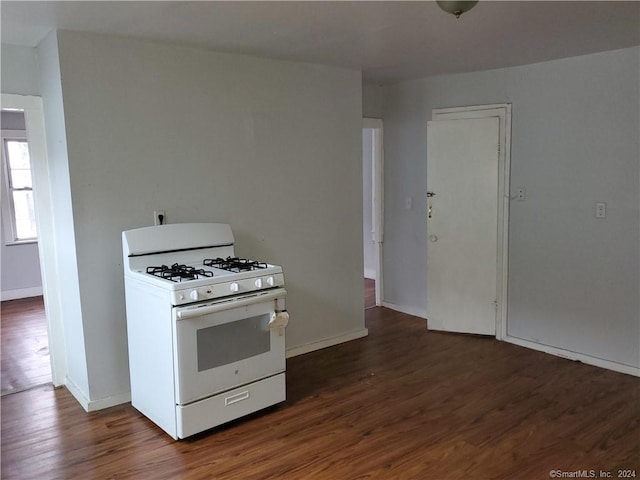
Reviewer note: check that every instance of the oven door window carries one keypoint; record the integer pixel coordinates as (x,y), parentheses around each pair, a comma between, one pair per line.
(231,342)
(215,352)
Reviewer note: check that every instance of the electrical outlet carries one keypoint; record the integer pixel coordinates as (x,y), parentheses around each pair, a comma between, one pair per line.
(601,210)
(159,217)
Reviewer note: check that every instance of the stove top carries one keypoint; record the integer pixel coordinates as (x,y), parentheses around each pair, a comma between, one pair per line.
(193,263)
(178,272)
(234,264)
(182,273)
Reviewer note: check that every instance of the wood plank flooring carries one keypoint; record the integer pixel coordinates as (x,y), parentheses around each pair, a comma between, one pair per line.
(369,293)
(24,352)
(402,403)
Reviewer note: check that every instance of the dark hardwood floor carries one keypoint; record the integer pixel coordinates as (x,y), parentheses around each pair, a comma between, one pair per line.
(402,403)
(24,346)
(369,293)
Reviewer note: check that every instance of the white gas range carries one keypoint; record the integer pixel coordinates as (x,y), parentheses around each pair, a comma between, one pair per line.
(205,328)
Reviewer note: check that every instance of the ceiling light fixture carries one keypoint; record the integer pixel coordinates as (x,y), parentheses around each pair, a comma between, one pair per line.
(456,8)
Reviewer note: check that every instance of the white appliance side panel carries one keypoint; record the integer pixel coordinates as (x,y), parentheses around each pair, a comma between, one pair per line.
(150,343)
(175,236)
(222,408)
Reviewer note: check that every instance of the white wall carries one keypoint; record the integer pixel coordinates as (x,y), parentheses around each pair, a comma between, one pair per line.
(20,269)
(373,99)
(68,303)
(19,73)
(573,279)
(20,266)
(152,126)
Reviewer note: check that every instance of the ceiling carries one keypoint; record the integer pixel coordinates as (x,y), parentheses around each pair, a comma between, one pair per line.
(390,41)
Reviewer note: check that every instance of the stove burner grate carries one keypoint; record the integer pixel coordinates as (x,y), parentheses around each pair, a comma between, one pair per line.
(178,273)
(234,264)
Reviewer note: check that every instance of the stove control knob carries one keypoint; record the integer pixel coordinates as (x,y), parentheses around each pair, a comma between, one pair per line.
(194,295)
(234,287)
(258,283)
(271,281)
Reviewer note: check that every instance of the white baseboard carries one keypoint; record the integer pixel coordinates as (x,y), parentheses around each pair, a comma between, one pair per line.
(109,401)
(580,357)
(408,310)
(21,293)
(77,394)
(327,342)
(93,405)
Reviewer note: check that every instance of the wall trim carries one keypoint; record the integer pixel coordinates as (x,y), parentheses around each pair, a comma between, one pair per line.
(34,120)
(327,342)
(503,112)
(377,187)
(580,357)
(21,293)
(416,312)
(109,401)
(77,393)
(93,405)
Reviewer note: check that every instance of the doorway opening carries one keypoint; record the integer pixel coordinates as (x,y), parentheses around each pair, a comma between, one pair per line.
(372,201)
(49,299)
(500,113)
(24,331)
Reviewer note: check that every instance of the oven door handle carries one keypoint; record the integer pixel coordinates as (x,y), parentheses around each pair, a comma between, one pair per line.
(192,312)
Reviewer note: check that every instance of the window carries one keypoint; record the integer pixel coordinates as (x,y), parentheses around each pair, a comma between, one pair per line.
(19,213)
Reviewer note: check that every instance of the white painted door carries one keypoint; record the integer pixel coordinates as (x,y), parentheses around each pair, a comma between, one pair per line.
(462,221)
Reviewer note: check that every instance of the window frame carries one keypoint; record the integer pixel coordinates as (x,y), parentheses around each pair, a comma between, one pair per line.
(8,209)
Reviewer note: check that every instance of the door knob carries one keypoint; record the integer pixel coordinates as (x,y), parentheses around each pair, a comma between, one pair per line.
(433,238)
(431,194)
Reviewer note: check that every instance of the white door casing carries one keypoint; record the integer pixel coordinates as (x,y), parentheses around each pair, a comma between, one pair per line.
(503,112)
(34,120)
(462,225)
(377,234)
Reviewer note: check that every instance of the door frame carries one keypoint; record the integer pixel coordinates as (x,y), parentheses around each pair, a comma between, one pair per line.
(36,136)
(377,235)
(503,112)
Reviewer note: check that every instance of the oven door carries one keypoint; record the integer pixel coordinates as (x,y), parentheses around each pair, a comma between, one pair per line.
(225,344)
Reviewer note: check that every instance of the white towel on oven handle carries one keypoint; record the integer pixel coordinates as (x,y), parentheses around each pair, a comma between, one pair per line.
(279,320)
